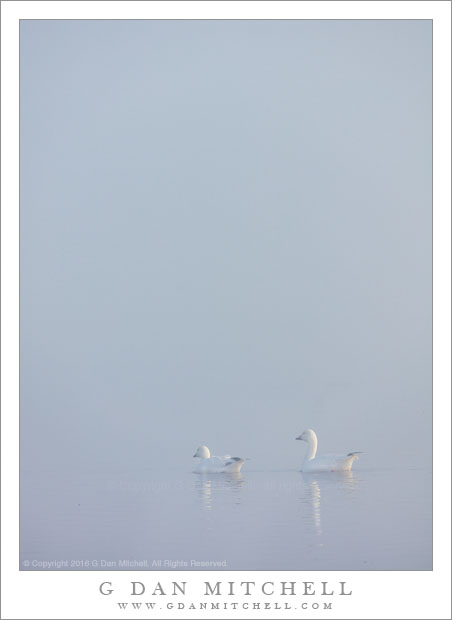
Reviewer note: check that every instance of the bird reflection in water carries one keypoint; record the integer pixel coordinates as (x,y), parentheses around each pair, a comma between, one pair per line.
(349,480)
(316,484)
(315,503)
(226,486)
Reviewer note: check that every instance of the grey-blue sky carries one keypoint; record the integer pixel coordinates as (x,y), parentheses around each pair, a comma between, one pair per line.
(225,238)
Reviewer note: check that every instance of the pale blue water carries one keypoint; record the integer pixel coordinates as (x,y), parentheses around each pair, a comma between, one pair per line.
(272,520)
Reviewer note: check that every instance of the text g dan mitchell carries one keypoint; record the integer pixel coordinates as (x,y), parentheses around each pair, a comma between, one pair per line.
(144,594)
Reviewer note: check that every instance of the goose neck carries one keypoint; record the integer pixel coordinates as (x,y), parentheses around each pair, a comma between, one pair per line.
(312,447)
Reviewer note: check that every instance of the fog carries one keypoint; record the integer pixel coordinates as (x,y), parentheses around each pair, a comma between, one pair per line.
(226,238)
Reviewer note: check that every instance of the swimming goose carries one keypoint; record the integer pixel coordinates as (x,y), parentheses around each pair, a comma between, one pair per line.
(216,464)
(328,462)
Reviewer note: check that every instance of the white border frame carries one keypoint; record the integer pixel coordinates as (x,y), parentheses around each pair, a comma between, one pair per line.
(396,594)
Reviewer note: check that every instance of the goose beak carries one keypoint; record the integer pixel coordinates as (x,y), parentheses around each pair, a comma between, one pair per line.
(299,437)
(194,455)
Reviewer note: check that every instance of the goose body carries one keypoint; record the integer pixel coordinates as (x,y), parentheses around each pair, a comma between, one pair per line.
(216,464)
(327,462)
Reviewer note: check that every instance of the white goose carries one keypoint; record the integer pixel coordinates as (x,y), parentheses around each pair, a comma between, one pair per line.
(216,464)
(328,462)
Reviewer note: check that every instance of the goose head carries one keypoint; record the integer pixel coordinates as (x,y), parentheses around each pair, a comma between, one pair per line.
(307,435)
(202,452)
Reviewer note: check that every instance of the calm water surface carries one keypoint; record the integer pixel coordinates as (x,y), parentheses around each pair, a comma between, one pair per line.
(272,520)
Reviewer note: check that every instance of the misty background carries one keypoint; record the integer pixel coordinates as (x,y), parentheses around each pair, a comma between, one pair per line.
(226,238)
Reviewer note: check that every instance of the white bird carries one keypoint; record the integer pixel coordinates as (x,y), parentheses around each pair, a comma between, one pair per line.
(216,464)
(328,462)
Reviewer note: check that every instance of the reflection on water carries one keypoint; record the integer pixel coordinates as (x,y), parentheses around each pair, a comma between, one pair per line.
(211,487)
(256,520)
(346,481)
(205,492)
(315,500)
